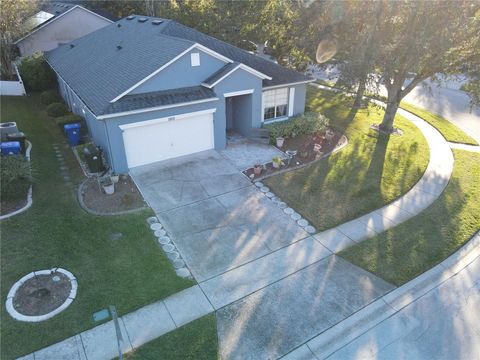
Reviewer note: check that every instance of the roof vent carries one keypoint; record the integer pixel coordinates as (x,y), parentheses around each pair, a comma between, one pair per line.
(142,20)
(119,47)
(72,46)
(131,17)
(119,25)
(157,22)
(57,11)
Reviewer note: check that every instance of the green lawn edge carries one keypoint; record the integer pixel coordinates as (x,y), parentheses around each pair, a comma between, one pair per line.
(371,171)
(449,130)
(130,272)
(197,340)
(411,248)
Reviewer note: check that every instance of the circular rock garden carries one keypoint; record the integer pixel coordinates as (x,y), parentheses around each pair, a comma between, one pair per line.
(41,295)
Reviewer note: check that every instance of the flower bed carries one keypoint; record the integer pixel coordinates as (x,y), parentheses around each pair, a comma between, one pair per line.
(308,148)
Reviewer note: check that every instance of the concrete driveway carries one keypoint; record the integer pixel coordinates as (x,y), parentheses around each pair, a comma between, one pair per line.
(216,217)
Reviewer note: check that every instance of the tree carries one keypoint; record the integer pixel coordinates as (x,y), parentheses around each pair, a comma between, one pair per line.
(13,14)
(419,40)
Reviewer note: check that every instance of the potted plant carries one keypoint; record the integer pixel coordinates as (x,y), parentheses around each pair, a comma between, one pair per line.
(257,169)
(280,141)
(317,147)
(107,185)
(277,162)
(329,135)
(115,177)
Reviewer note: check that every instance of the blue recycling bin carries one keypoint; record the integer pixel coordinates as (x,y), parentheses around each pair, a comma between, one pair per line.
(10,148)
(73,133)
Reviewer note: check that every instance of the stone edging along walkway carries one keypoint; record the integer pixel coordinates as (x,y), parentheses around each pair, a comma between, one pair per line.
(163,316)
(29,194)
(465,147)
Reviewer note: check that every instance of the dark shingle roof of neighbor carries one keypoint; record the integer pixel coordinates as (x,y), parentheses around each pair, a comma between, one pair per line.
(220,73)
(160,98)
(105,63)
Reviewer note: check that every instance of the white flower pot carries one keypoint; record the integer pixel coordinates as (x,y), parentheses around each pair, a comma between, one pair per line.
(280,141)
(109,189)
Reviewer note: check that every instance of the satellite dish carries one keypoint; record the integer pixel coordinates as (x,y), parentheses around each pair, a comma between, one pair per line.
(326,50)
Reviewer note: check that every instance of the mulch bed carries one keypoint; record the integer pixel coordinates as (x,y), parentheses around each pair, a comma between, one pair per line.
(42,294)
(304,145)
(126,196)
(16,202)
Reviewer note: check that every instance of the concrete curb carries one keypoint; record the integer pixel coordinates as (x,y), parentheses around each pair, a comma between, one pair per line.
(338,336)
(29,194)
(465,147)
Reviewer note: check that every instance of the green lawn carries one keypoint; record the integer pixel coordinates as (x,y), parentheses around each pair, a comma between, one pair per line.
(449,130)
(128,273)
(404,252)
(194,341)
(371,171)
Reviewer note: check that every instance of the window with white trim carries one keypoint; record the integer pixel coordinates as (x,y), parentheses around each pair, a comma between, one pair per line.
(275,103)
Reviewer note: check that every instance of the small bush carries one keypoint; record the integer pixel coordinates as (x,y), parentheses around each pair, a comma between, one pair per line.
(15,173)
(68,119)
(57,109)
(305,124)
(36,73)
(50,96)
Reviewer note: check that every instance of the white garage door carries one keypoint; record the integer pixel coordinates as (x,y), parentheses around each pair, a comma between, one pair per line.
(161,139)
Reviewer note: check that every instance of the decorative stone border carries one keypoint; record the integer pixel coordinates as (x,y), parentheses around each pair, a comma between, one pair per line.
(28,318)
(97,213)
(302,223)
(29,194)
(169,247)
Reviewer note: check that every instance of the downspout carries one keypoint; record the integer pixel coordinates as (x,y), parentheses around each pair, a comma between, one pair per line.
(111,157)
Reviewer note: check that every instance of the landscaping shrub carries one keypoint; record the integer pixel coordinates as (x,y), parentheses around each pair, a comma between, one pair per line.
(15,174)
(68,119)
(305,124)
(57,109)
(36,73)
(50,96)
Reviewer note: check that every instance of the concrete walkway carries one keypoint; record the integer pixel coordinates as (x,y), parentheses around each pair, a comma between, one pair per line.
(472,148)
(405,323)
(278,301)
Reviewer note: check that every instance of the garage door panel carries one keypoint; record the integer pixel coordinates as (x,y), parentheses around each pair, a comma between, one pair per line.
(168,139)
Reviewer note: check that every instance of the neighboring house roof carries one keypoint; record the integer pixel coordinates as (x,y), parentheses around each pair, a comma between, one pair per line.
(49,13)
(103,66)
(162,98)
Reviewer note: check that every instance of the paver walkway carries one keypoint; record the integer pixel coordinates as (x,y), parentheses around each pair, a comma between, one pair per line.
(270,304)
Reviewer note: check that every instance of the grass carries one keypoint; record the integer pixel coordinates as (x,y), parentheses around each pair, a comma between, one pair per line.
(371,171)
(449,130)
(129,272)
(404,252)
(198,341)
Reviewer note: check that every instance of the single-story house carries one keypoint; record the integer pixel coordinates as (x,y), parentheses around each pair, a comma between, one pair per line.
(151,89)
(58,23)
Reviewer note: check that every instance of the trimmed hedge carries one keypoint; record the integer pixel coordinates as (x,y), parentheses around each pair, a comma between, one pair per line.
(57,109)
(68,119)
(36,73)
(50,96)
(305,124)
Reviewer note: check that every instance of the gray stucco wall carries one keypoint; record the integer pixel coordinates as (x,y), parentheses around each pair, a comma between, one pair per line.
(239,80)
(299,102)
(181,74)
(96,128)
(119,160)
(70,26)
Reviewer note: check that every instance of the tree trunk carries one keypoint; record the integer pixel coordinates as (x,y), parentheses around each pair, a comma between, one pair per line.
(360,91)
(393,102)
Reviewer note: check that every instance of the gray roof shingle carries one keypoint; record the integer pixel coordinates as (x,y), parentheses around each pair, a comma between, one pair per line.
(160,98)
(220,73)
(107,62)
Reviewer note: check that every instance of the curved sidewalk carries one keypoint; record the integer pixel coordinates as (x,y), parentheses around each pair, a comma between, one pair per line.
(418,198)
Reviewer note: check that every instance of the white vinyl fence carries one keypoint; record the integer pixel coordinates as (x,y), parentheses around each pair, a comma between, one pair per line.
(14,88)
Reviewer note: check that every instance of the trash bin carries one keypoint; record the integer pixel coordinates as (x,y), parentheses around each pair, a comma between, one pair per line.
(73,133)
(93,157)
(10,148)
(21,138)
